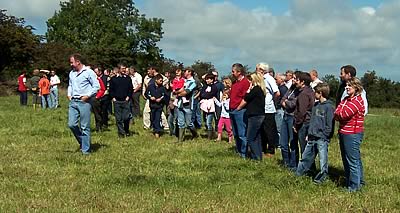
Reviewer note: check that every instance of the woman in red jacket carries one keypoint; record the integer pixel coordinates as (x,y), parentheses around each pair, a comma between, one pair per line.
(350,114)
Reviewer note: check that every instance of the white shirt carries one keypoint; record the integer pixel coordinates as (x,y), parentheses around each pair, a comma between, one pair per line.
(272,88)
(289,83)
(54,81)
(315,82)
(136,80)
(363,96)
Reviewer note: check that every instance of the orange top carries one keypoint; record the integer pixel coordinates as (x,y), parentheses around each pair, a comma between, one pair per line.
(44,85)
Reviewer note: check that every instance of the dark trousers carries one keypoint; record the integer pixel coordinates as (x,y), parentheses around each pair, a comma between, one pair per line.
(156,119)
(23,98)
(104,104)
(122,111)
(269,134)
(136,104)
(254,129)
(96,109)
(217,115)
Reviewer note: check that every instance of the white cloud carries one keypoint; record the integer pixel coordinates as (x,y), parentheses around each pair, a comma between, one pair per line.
(312,33)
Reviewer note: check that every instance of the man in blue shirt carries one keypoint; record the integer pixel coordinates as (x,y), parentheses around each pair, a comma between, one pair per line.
(83,84)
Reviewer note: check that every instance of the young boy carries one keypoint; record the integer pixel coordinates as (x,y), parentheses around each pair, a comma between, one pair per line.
(156,94)
(44,90)
(318,134)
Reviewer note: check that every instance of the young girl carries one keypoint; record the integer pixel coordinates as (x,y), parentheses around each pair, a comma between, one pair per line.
(207,95)
(224,121)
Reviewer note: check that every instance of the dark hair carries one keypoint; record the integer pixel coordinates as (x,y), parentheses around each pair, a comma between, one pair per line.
(78,57)
(322,88)
(239,67)
(191,70)
(210,76)
(158,77)
(349,69)
(304,76)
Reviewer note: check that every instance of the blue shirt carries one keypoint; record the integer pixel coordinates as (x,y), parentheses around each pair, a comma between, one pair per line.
(189,86)
(83,83)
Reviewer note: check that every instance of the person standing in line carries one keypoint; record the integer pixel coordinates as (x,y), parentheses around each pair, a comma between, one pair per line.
(34,87)
(238,117)
(157,95)
(82,85)
(350,113)
(44,91)
(54,82)
(318,134)
(207,105)
(280,81)
(185,105)
(289,80)
(97,104)
(254,101)
(137,90)
(22,89)
(177,83)
(224,121)
(314,78)
(121,92)
(270,138)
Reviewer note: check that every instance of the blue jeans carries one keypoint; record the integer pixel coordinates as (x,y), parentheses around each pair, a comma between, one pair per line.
(351,157)
(53,103)
(196,114)
(254,129)
(278,120)
(239,121)
(23,98)
(185,118)
(288,142)
(313,147)
(45,101)
(79,122)
(209,120)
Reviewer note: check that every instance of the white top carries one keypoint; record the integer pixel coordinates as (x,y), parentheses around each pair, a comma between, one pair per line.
(54,81)
(315,82)
(272,88)
(289,83)
(136,80)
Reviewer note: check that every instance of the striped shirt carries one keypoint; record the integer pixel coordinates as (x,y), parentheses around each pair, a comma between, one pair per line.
(350,114)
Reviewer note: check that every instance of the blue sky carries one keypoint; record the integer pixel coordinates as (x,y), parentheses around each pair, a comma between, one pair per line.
(287,34)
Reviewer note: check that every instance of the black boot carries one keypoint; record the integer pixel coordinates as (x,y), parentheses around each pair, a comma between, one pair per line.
(194,133)
(181,134)
(209,134)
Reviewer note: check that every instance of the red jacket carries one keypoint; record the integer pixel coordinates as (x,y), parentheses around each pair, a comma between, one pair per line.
(102,89)
(350,114)
(238,91)
(22,83)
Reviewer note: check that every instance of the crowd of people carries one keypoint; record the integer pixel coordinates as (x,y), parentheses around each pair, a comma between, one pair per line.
(260,111)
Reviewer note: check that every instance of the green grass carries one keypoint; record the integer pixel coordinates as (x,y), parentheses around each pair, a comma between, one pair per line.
(41,171)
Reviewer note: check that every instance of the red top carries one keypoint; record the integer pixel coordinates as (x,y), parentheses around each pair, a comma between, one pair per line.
(44,86)
(350,114)
(102,89)
(22,83)
(177,83)
(238,91)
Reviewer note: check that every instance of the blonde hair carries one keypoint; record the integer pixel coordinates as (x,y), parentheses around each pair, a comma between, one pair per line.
(356,84)
(227,81)
(257,80)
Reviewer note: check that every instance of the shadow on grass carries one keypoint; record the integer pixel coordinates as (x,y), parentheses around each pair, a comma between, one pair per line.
(337,176)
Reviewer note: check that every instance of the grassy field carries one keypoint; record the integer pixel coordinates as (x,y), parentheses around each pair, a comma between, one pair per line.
(41,171)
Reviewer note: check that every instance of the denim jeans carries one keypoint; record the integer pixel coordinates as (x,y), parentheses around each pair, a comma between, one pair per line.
(45,101)
(351,157)
(53,101)
(79,122)
(185,118)
(239,121)
(23,98)
(172,120)
(209,120)
(122,112)
(156,122)
(303,132)
(254,129)
(313,147)
(288,142)
(196,114)
(278,120)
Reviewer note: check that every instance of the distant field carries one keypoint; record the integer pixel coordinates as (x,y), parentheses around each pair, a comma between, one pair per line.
(41,171)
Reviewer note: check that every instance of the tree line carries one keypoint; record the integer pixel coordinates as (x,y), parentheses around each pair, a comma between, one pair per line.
(109,32)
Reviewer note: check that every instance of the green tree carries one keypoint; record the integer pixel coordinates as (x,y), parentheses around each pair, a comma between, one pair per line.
(17,44)
(202,68)
(107,32)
